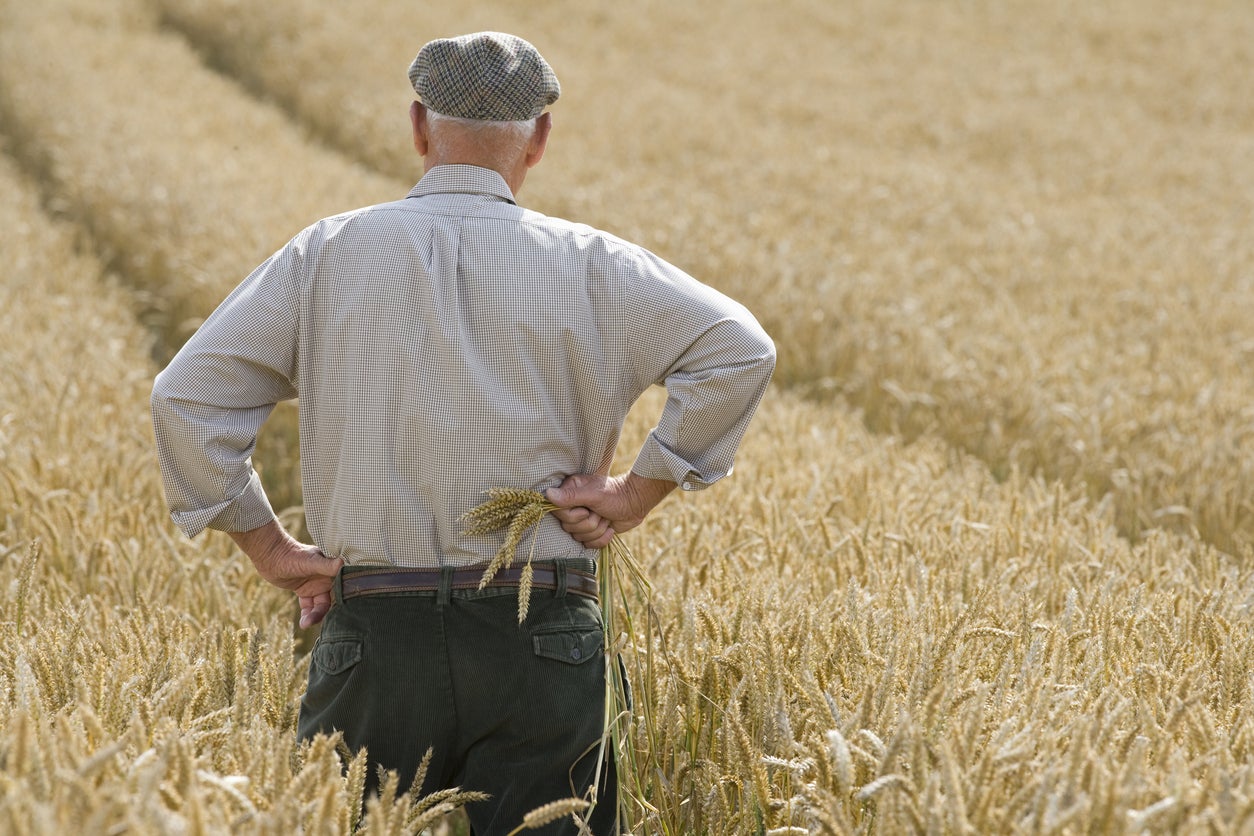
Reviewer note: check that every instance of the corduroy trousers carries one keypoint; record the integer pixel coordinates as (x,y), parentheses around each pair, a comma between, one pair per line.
(515,711)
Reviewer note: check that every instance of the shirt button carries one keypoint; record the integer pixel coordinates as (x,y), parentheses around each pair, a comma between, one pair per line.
(687,486)
(576,654)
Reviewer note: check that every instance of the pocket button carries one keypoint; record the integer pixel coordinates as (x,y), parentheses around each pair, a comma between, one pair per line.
(573,645)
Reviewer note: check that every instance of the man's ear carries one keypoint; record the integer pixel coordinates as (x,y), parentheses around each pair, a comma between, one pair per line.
(418,118)
(539,139)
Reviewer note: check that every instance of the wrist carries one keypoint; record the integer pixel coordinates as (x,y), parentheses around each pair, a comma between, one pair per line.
(645,493)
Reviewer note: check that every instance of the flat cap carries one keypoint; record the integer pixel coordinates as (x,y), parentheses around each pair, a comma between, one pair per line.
(487,75)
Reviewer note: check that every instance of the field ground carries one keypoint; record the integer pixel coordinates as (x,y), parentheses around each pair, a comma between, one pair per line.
(985,562)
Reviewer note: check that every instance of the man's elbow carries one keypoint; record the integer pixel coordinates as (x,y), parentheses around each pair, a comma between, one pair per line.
(768,352)
(765,352)
(159,399)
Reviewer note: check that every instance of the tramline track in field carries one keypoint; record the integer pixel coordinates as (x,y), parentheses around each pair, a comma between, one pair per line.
(183,180)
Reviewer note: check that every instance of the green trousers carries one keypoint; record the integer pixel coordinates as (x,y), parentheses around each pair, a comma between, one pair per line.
(516,711)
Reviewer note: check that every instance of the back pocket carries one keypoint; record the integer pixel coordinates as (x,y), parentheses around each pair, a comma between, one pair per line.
(574,645)
(335,656)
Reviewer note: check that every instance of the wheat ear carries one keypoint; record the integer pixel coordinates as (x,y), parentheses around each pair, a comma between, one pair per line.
(549,813)
(518,511)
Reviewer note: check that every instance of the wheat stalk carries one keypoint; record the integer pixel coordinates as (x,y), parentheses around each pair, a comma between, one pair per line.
(25,574)
(517,510)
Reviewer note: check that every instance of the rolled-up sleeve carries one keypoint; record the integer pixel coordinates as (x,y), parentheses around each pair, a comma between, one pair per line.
(719,364)
(209,403)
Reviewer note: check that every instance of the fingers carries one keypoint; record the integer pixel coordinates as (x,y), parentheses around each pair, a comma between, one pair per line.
(571,515)
(601,541)
(595,537)
(588,528)
(579,520)
(314,589)
(585,508)
(313,609)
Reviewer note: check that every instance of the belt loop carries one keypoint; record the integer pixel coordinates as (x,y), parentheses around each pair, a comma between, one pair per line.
(559,569)
(445,593)
(337,587)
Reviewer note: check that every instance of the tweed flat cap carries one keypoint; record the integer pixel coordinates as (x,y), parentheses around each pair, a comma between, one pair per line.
(487,75)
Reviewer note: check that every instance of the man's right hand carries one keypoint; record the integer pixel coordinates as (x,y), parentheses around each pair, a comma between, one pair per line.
(289,564)
(593,508)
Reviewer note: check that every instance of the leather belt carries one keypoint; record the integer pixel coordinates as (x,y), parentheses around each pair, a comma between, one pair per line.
(384,580)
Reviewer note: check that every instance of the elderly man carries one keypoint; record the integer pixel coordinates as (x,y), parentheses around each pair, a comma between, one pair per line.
(442,345)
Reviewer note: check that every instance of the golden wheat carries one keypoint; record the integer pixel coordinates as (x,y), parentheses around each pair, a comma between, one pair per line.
(146,683)
(549,813)
(1027,243)
(517,511)
(502,505)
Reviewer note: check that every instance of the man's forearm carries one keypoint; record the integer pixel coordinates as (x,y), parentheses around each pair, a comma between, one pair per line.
(261,544)
(645,492)
(290,564)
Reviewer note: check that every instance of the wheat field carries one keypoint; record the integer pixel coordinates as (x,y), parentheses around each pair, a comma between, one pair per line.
(985,563)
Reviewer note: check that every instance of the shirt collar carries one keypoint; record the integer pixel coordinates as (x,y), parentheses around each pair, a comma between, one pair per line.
(462,179)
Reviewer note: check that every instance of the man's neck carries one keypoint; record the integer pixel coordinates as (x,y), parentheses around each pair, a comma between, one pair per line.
(513,179)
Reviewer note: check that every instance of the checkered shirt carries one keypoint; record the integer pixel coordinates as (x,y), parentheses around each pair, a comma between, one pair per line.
(442,345)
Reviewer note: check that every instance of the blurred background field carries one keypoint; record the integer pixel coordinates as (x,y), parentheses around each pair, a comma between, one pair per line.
(984,565)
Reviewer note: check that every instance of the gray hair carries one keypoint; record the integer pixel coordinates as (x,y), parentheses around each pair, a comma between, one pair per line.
(503,141)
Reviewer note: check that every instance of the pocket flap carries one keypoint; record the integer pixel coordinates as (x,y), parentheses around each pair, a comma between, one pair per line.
(337,656)
(573,646)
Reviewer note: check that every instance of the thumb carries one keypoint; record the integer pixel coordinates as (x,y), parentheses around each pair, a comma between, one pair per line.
(570,493)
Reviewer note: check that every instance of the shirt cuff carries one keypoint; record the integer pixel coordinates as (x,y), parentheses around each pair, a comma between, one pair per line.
(247,510)
(657,461)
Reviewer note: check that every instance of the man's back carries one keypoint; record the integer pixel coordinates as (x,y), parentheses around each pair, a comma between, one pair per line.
(453,342)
